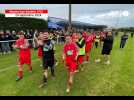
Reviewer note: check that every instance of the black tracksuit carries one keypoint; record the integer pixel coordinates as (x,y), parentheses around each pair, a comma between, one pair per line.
(123,41)
(108,45)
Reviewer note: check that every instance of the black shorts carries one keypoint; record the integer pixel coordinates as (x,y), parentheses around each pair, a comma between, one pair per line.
(48,63)
(96,44)
(106,51)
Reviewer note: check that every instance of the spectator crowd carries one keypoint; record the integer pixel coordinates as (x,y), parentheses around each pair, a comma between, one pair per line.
(7,38)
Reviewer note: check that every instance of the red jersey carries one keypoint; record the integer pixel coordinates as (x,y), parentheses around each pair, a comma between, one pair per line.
(94,35)
(70,50)
(21,42)
(40,53)
(85,36)
(24,54)
(89,42)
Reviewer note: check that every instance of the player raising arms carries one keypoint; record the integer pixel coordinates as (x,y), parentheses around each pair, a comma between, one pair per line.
(24,55)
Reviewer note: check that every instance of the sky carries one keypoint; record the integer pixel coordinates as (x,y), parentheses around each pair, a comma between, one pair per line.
(115,15)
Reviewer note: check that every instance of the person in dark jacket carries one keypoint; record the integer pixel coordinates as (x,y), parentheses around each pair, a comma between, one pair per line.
(6,44)
(132,35)
(116,33)
(0,45)
(124,38)
(47,46)
(107,47)
(10,38)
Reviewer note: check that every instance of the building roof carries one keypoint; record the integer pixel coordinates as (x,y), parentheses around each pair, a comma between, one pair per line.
(63,22)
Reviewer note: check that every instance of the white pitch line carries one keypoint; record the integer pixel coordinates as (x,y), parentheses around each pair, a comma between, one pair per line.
(5,69)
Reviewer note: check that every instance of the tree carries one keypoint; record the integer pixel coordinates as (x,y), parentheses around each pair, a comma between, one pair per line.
(21,23)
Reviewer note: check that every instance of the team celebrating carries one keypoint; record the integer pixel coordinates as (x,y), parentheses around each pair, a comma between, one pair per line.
(75,54)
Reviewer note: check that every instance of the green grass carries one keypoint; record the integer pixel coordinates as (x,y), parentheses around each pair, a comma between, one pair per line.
(97,79)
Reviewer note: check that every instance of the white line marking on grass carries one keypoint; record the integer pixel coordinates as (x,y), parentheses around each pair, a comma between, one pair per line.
(5,69)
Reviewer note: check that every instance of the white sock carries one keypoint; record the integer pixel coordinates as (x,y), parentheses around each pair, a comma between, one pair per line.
(97,60)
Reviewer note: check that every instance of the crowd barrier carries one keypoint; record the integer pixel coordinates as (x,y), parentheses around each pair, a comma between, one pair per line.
(58,40)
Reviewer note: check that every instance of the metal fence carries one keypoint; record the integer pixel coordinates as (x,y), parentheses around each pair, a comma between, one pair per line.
(6,46)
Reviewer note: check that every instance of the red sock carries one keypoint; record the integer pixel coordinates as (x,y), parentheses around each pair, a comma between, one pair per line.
(20,74)
(87,58)
(29,68)
(77,67)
